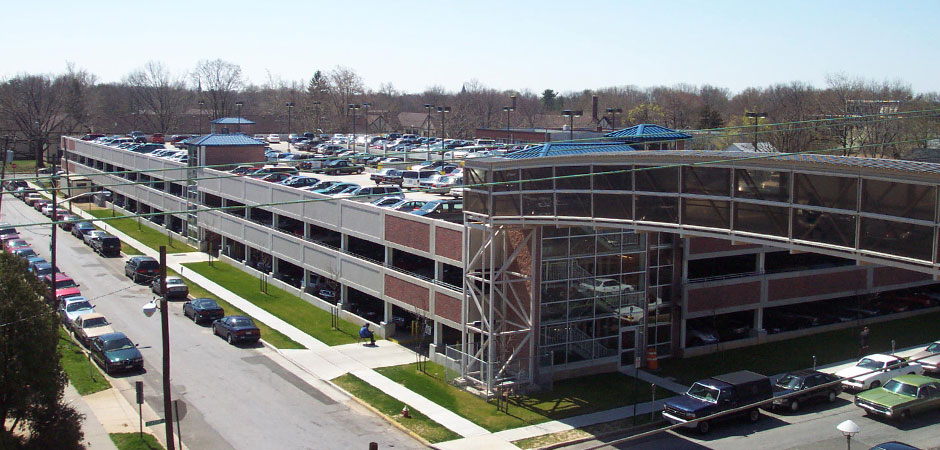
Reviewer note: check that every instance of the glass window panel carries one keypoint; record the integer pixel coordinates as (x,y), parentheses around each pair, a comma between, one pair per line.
(552,292)
(581,331)
(555,248)
(580,351)
(827,228)
(550,231)
(538,205)
(613,178)
(583,267)
(555,354)
(706,180)
(537,179)
(573,177)
(657,180)
(665,257)
(659,334)
(475,201)
(555,270)
(476,176)
(706,213)
(632,262)
(606,306)
(896,238)
(912,201)
(657,209)
(581,309)
(825,190)
(554,312)
(503,180)
(554,334)
(762,185)
(763,219)
(613,206)
(605,348)
(609,243)
(582,245)
(574,205)
(608,265)
(664,275)
(506,205)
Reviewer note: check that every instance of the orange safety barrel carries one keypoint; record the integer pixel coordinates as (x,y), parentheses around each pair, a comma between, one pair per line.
(652,362)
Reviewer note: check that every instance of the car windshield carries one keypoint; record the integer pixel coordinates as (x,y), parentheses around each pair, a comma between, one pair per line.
(934,348)
(118,344)
(77,306)
(175,281)
(868,363)
(707,393)
(62,284)
(205,304)
(789,382)
(241,322)
(900,388)
(428,207)
(94,322)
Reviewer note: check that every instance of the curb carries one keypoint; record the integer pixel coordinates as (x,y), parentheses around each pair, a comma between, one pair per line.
(636,430)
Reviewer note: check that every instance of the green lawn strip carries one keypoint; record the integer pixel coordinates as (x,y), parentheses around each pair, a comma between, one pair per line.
(568,398)
(288,307)
(81,371)
(144,234)
(23,167)
(135,441)
(418,423)
(590,431)
(783,356)
(270,335)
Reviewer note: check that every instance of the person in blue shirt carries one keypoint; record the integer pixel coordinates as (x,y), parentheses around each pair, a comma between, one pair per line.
(366,333)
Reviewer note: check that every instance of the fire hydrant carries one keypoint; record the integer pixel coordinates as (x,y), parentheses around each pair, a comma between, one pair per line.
(404,412)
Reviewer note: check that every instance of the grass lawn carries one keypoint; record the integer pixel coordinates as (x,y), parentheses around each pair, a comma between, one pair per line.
(81,371)
(270,335)
(418,423)
(783,356)
(568,398)
(290,308)
(146,235)
(134,441)
(23,166)
(598,429)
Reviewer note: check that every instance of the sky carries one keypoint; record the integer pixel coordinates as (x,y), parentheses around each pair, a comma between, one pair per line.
(518,45)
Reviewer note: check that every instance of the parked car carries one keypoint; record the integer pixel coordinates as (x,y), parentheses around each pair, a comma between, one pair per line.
(24,252)
(368,193)
(700,336)
(89,326)
(875,370)
(175,287)
(798,388)
(716,394)
(200,309)
(408,205)
(67,221)
(31,199)
(106,245)
(236,329)
(90,236)
(73,307)
(80,228)
(273,138)
(14,244)
(386,201)
(276,177)
(386,176)
(901,397)
(140,268)
(300,181)
(341,166)
(442,209)
(115,352)
(929,358)
(411,179)
(40,269)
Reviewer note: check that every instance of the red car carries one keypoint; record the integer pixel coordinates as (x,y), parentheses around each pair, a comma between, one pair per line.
(14,244)
(157,138)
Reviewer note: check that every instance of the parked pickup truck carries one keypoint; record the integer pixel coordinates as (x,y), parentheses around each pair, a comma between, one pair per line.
(716,394)
(339,166)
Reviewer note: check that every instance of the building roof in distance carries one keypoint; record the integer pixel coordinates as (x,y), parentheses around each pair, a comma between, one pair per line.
(223,140)
(647,132)
(569,148)
(232,120)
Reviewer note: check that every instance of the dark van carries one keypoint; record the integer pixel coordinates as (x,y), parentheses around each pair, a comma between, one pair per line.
(716,394)
(107,245)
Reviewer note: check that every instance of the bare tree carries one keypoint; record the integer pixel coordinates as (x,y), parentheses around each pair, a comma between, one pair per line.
(162,97)
(35,104)
(217,83)
(344,84)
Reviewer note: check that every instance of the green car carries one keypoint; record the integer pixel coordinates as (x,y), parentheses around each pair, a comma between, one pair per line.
(901,397)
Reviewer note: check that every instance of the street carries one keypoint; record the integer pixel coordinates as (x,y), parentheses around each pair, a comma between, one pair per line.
(237,397)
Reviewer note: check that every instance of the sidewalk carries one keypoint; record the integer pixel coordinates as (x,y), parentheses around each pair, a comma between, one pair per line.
(96,436)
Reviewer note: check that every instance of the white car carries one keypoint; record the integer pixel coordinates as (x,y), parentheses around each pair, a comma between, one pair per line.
(259,137)
(74,307)
(604,286)
(929,358)
(274,138)
(875,370)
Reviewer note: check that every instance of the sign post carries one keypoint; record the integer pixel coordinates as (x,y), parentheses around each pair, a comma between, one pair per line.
(139,387)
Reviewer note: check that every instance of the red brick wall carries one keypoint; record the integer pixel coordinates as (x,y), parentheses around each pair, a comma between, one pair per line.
(711,245)
(234,155)
(447,307)
(892,275)
(408,233)
(706,299)
(448,243)
(804,286)
(409,293)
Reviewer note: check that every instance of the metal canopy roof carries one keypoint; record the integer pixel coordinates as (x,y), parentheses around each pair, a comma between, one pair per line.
(647,132)
(220,140)
(233,120)
(569,148)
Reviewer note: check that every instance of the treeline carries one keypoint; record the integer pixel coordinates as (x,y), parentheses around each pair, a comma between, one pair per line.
(36,108)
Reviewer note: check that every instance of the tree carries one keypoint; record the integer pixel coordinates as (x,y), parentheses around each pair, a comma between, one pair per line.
(35,105)
(548,99)
(161,97)
(218,82)
(32,411)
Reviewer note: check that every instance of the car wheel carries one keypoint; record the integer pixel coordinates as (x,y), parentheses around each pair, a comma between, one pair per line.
(794,406)
(704,427)
(875,384)
(230,340)
(754,414)
(832,396)
(135,278)
(215,330)
(906,415)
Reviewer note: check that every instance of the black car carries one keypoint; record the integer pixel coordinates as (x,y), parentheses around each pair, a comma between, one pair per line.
(80,228)
(200,309)
(115,352)
(802,383)
(107,245)
(140,268)
(41,269)
(236,329)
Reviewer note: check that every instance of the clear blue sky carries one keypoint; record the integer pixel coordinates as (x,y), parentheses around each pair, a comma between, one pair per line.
(504,44)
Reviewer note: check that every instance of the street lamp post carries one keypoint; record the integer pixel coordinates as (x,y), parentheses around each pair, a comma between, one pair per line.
(202,106)
(443,110)
(317,104)
(508,110)
(428,107)
(571,114)
(613,116)
(756,116)
(238,105)
(848,429)
(365,115)
(3,171)
(353,107)
(289,105)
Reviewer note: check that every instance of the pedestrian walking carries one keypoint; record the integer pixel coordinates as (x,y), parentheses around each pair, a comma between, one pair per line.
(863,342)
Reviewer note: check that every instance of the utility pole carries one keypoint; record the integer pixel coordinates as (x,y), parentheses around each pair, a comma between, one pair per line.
(55,215)
(3,171)
(165,325)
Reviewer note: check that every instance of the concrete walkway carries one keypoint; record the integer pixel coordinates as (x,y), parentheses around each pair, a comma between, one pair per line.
(96,437)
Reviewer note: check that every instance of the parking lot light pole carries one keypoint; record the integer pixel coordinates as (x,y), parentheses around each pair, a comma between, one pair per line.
(202,109)
(353,107)
(571,114)
(289,105)
(428,107)
(613,115)
(443,110)
(756,116)
(238,105)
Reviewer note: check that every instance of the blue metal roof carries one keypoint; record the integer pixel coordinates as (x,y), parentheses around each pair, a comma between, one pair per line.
(569,148)
(232,120)
(647,132)
(218,140)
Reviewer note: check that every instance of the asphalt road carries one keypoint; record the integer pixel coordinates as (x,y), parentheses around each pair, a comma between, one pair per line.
(237,397)
(812,428)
